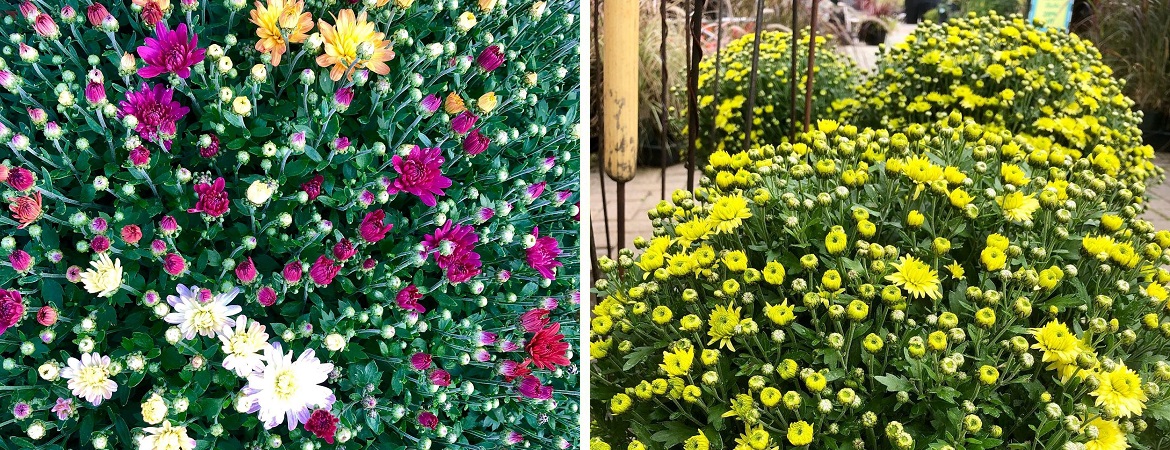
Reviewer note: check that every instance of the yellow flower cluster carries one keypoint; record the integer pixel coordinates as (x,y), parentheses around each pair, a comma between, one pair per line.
(872,289)
(723,91)
(1045,85)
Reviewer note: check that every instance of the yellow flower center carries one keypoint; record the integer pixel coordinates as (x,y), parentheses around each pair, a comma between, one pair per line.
(286,384)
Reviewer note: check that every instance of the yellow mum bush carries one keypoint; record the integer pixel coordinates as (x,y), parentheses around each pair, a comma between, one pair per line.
(1045,85)
(871,289)
(722,118)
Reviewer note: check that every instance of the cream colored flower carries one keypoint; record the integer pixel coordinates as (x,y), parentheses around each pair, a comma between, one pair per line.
(154,410)
(104,278)
(166,437)
(335,342)
(466,21)
(537,10)
(487,5)
(260,191)
(487,102)
(242,106)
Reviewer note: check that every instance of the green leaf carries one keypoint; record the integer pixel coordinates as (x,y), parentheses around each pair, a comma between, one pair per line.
(674,434)
(635,357)
(894,383)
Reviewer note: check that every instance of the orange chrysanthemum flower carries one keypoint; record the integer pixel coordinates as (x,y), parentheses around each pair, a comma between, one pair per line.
(344,41)
(273,18)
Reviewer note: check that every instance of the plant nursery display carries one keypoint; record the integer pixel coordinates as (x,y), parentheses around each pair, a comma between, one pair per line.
(945,286)
(1043,84)
(286,223)
(722,116)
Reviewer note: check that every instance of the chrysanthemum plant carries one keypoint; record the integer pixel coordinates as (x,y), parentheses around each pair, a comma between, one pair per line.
(1041,83)
(723,95)
(873,289)
(253,224)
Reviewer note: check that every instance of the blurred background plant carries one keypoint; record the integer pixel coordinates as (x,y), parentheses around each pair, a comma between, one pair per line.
(1134,41)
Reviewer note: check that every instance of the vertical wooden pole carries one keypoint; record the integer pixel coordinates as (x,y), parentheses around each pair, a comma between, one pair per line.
(792,76)
(620,97)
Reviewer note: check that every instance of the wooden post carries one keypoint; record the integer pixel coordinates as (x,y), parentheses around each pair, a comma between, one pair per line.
(620,97)
(620,89)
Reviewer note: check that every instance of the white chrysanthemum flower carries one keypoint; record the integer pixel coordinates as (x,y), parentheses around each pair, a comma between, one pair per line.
(242,345)
(104,278)
(89,378)
(205,318)
(287,389)
(166,437)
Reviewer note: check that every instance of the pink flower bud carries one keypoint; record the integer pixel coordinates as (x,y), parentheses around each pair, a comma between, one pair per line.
(140,157)
(158,247)
(174,264)
(292,272)
(266,296)
(96,13)
(420,361)
(246,271)
(475,142)
(99,243)
(21,261)
(168,225)
(47,316)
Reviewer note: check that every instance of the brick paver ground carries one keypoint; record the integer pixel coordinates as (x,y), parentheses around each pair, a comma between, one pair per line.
(1159,208)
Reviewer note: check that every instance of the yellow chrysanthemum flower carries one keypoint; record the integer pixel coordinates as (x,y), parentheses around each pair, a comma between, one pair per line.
(678,362)
(728,213)
(722,324)
(1121,392)
(1057,342)
(1018,207)
(276,17)
(800,433)
(1109,436)
(351,43)
(697,442)
(916,277)
(781,314)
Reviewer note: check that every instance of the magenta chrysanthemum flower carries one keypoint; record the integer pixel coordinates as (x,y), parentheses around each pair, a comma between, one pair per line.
(11,309)
(420,173)
(156,112)
(170,51)
(324,270)
(531,387)
(420,361)
(373,227)
(542,256)
(213,200)
(408,299)
(454,248)
(475,142)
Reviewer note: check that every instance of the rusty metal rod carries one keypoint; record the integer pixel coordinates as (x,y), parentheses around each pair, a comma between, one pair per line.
(693,89)
(812,51)
(749,117)
(621,212)
(718,63)
(665,136)
(600,129)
